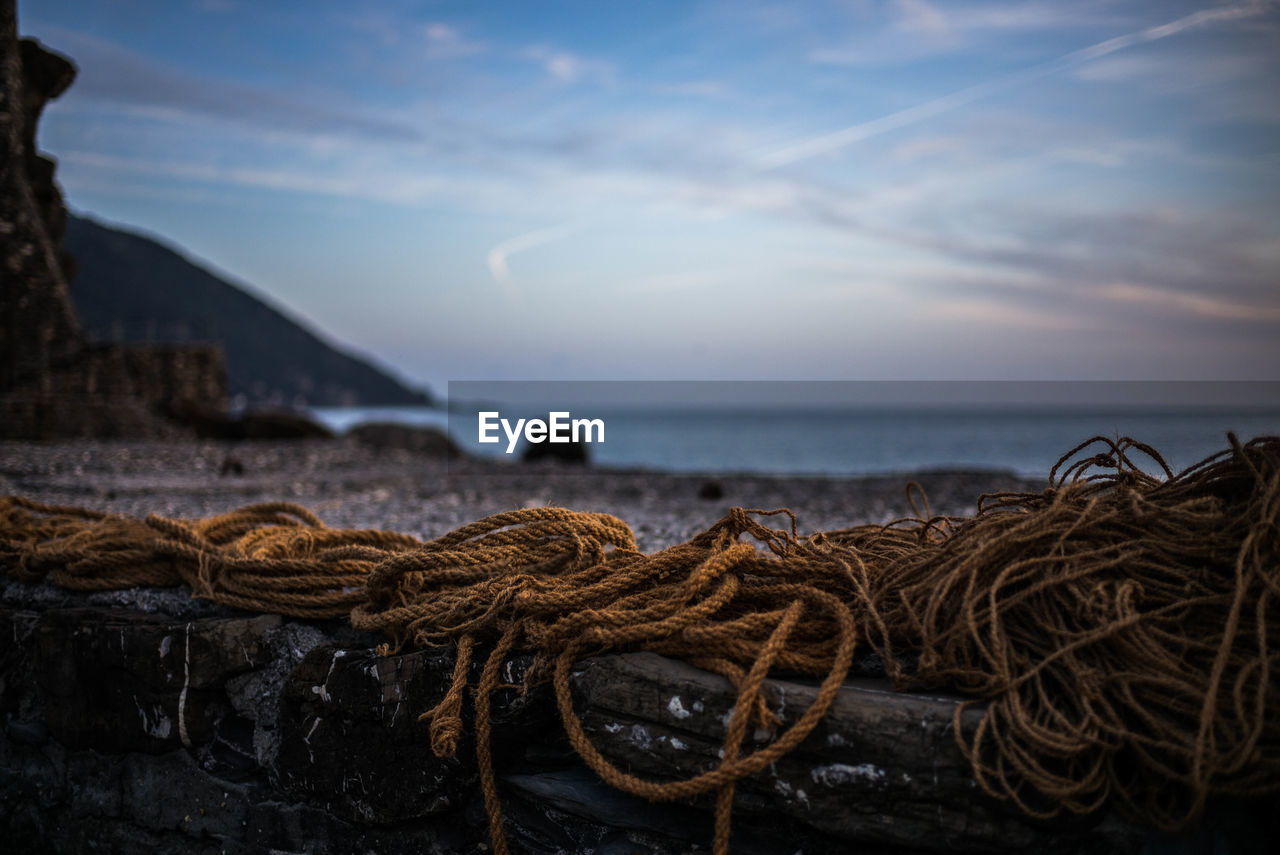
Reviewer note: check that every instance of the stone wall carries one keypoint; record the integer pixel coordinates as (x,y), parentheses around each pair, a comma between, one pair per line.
(118,391)
(169,379)
(143,721)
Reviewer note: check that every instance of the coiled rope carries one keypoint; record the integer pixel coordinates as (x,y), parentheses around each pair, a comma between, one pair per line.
(1117,627)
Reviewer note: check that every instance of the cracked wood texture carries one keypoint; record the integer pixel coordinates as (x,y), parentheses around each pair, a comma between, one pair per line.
(214,730)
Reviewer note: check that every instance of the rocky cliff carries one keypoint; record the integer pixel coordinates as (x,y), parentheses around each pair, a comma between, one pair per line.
(38,324)
(53,383)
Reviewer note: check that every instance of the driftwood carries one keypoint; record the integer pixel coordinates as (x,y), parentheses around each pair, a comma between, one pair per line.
(225,732)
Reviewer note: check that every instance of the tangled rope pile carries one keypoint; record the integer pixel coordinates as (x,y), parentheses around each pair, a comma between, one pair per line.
(1116,627)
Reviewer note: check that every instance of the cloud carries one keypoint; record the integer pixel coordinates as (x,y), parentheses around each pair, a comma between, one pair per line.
(1019,17)
(696,88)
(1209,266)
(447,42)
(1204,17)
(931,147)
(565,67)
(497,257)
(682,280)
(920,16)
(1241,84)
(835,140)
(109,72)
(1114,68)
(1162,301)
(983,311)
(1196,268)
(1061,255)
(393,187)
(699,171)
(918,29)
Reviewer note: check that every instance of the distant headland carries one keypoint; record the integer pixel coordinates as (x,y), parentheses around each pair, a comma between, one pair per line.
(135,288)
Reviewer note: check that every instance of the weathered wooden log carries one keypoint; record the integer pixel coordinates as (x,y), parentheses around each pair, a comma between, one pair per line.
(882,766)
(351,740)
(300,737)
(122,681)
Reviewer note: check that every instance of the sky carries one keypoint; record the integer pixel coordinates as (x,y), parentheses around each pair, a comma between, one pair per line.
(838,190)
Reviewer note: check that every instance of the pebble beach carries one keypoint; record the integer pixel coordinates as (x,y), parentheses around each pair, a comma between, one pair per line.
(350,485)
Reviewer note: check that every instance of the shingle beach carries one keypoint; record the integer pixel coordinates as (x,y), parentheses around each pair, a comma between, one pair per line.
(352,486)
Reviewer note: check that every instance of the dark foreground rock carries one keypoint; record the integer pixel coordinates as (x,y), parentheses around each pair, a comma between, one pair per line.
(204,729)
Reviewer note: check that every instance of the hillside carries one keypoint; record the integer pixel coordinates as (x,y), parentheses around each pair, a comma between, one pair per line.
(132,288)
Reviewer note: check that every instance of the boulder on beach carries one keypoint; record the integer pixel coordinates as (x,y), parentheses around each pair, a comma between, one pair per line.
(212,423)
(428,441)
(572,452)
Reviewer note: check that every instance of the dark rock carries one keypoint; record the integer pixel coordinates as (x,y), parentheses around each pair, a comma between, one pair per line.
(121,681)
(16,663)
(352,742)
(711,490)
(882,766)
(559,452)
(82,801)
(30,732)
(281,424)
(572,809)
(427,441)
(52,384)
(210,422)
(168,379)
(298,741)
(31,414)
(38,323)
(46,75)
(215,423)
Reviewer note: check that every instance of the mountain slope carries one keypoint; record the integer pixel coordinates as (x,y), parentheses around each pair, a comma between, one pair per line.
(132,288)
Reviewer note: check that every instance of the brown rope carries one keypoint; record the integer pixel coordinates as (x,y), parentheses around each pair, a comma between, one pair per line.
(1116,627)
(276,557)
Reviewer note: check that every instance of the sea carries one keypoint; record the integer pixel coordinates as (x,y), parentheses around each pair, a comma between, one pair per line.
(855,440)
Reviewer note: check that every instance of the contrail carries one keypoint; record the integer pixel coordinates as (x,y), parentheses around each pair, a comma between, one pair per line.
(824,143)
(497,257)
